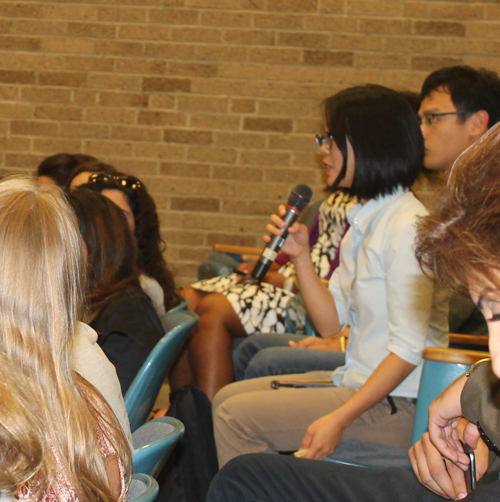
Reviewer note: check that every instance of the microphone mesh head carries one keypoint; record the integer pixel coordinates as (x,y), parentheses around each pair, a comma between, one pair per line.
(300,197)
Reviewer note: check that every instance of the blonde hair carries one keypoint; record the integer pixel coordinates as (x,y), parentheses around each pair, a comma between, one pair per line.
(49,415)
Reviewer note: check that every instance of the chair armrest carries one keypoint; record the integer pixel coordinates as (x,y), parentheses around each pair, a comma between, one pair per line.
(456,356)
(481,340)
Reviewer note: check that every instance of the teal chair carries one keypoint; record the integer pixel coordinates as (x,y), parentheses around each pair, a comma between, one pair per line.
(143,488)
(153,443)
(142,393)
(441,367)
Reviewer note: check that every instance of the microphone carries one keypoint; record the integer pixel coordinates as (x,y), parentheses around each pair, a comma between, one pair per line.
(297,202)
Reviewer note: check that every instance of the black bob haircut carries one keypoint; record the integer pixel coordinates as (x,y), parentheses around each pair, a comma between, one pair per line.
(470,89)
(385,135)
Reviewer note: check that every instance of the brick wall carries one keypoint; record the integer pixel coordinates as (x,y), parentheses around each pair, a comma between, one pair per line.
(212,103)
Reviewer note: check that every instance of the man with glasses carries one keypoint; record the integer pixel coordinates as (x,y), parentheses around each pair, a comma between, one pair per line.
(458,105)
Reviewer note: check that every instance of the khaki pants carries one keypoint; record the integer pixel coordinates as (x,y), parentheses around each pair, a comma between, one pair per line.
(250,417)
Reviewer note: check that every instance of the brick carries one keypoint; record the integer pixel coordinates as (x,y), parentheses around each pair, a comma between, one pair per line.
(139,168)
(432,63)
(203,35)
(160,151)
(248,37)
(242,106)
(50,145)
(83,131)
(104,148)
(29,161)
(183,237)
(221,53)
(410,44)
(157,118)
(144,32)
(263,124)
(109,115)
(38,27)
(124,14)
(194,204)
(197,104)
(457,11)
(16,144)
(70,11)
(294,142)
(173,16)
(58,112)
(302,39)
(34,128)
(253,4)
(238,173)
(265,158)
(132,133)
(439,28)
(89,63)
(84,97)
(128,99)
(9,92)
(296,108)
(217,18)
(324,22)
(275,55)
(374,8)
(293,5)
(483,29)
(16,110)
(389,26)
(67,45)
(92,30)
(278,21)
(158,84)
(211,154)
(328,58)
(45,95)
(240,140)
(17,77)
(193,137)
(185,169)
(215,122)
(415,9)
(384,60)
(193,69)
(169,50)
(20,43)
(66,78)
(332,6)
(118,48)
(213,4)
(19,9)
(142,66)
(113,81)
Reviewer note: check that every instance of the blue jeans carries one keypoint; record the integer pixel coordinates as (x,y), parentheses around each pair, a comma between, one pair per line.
(269,354)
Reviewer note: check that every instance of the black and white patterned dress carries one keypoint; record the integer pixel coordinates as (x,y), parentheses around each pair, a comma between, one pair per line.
(262,308)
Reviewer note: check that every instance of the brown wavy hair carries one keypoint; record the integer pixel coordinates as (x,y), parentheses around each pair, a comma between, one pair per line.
(111,248)
(461,239)
(151,246)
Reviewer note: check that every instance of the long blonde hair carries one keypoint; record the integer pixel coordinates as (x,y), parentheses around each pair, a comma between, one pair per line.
(49,415)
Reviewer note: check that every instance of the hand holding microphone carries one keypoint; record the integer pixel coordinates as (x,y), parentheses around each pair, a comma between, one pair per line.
(297,202)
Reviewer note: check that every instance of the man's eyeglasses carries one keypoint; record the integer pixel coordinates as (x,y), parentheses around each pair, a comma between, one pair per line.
(430,119)
(324,139)
(123,181)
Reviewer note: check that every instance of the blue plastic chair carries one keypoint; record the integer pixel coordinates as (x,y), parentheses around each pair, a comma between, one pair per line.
(441,367)
(143,488)
(153,443)
(183,305)
(142,393)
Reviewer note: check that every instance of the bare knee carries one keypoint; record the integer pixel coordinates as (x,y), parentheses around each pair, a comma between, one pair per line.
(193,296)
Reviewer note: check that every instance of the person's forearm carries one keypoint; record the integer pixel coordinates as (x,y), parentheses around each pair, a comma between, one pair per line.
(386,377)
(318,300)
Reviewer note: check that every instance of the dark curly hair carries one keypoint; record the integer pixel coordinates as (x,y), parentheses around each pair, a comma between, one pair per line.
(61,166)
(91,166)
(150,245)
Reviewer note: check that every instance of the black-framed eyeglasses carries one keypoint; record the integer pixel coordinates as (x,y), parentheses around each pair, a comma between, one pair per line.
(325,139)
(430,119)
(123,181)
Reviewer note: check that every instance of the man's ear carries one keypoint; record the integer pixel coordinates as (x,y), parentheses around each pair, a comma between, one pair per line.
(479,123)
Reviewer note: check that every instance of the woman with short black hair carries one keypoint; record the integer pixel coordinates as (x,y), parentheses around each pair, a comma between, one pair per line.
(372,148)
